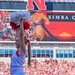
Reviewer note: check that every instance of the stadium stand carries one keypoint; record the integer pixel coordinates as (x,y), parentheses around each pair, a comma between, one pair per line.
(43,67)
(65,5)
(48,58)
(55,58)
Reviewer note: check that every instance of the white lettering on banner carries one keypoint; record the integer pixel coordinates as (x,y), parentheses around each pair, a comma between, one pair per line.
(58,17)
(73,17)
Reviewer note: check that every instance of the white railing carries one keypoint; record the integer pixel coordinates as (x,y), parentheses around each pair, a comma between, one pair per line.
(15,0)
(59,0)
(44,0)
(37,42)
(40,44)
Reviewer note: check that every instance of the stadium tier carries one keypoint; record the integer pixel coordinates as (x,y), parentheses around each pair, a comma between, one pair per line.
(65,5)
(53,26)
(47,58)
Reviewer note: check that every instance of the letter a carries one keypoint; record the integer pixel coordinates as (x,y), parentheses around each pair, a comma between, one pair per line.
(40,4)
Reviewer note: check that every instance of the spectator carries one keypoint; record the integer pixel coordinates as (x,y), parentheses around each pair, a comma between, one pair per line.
(43,67)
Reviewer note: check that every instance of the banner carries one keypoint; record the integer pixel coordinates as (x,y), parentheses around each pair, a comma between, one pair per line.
(45,26)
(54,26)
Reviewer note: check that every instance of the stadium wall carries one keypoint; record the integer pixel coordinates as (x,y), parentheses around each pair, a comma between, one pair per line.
(8,60)
(65,48)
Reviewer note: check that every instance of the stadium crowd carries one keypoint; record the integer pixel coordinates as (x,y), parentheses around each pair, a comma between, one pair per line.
(6,32)
(43,67)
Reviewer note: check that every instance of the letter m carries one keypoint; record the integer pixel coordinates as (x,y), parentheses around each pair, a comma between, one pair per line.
(39,3)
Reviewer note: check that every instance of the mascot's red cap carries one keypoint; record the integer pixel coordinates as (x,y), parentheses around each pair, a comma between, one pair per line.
(25,23)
